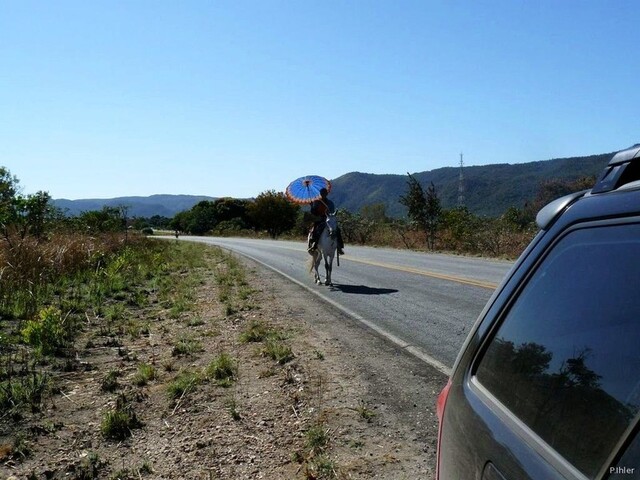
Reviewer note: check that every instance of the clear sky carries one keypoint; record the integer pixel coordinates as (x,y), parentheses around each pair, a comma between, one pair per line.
(100,99)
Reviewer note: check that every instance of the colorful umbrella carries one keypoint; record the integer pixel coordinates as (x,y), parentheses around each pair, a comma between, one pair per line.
(305,190)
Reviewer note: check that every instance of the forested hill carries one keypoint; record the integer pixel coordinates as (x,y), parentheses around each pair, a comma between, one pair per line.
(163,205)
(489,189)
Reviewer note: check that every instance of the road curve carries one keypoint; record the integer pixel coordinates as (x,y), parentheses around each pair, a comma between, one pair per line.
(426,303)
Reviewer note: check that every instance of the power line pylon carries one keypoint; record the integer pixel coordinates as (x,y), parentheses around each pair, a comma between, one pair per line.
(461,184)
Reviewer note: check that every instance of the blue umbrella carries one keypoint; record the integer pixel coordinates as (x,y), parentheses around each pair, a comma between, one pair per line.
(305,190)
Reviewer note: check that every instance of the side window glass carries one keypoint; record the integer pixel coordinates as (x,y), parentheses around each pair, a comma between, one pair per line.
(566,358)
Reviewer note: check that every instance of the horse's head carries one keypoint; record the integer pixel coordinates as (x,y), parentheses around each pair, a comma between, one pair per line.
(332,224)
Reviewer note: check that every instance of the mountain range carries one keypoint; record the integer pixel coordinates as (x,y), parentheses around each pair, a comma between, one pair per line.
(162,205)
(488,189)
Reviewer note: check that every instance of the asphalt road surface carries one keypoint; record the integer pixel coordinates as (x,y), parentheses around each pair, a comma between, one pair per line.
(424,302)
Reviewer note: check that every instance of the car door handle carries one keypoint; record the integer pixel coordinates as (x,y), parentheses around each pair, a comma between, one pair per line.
(490,472)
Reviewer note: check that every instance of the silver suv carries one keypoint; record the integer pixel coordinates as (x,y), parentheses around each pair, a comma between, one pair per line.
(547,385)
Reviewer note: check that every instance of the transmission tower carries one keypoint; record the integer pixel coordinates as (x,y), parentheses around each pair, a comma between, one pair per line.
(461,184)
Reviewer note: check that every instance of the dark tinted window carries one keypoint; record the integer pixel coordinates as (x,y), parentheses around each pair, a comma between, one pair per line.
(566,359)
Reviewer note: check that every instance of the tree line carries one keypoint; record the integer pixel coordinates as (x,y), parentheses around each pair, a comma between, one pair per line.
(428,225)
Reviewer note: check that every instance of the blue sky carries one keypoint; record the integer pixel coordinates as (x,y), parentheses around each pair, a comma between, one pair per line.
(231,98)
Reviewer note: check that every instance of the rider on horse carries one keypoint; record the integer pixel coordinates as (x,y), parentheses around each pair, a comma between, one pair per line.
(319,209)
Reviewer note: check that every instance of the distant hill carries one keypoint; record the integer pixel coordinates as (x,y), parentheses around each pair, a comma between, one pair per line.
(163,205)
(489,189)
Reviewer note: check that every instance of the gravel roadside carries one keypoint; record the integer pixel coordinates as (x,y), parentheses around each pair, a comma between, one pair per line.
(323,398)
(364,369)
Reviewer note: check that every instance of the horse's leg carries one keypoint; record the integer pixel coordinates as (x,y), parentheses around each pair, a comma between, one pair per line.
(317,257)
(328,261)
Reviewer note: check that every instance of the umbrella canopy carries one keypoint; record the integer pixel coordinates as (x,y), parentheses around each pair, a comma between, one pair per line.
(305,190)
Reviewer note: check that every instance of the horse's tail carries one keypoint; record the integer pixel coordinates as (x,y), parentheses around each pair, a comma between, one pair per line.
(312,260)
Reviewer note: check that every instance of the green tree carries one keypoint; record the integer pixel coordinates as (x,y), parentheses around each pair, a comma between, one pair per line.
(230,208)
(38,213)
(424,208)
(202,218)
(180,221)
(23,215)
(462,227)
(232,214)
(416,201)
(517,218)
(271,211)
(376,213)
(158,221)
(109,219)
(434,213)
(356,228)
(8,202)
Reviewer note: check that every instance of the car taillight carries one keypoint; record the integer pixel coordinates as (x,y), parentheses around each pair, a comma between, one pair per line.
(440,404)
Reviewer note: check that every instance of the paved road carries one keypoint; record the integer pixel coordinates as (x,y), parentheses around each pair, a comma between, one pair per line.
(424,302)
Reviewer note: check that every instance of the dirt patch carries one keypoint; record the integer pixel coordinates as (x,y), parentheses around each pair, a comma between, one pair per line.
(347,405)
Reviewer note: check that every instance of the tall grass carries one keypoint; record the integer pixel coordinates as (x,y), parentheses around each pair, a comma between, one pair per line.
(49,289)
(31,270)
(23,391)
(223,369)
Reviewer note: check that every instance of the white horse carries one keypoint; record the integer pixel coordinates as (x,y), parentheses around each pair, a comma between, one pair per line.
(326,249)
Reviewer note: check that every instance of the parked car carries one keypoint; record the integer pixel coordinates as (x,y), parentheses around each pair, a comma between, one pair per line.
(547,384)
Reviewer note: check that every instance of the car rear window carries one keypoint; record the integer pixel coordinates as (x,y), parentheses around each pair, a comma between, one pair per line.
(566,357)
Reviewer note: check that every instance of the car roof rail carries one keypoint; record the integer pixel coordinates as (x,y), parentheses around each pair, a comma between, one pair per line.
(552,210)
(623,168)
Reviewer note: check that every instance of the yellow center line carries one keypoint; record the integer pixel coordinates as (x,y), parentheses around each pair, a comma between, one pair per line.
(427,273)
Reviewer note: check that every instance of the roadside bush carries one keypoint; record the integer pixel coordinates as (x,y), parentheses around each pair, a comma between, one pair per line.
(24,391)
(277,350)
(118,423)
(110,381)
(47,333)
(256,332)
(144,375)
(182,384)
(223,370)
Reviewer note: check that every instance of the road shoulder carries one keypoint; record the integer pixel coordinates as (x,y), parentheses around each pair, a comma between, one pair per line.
(365,376)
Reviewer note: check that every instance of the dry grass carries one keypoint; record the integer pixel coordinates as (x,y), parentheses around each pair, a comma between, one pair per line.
(31,270)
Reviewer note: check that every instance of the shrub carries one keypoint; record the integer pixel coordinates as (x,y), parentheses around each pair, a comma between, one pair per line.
(89,468)
(28,390)
(118,423)
(186,346)
(317,438)
(223,370)
(46,333)
(278,351)
(256,332)
(110,381)
(182,384)
(145,373)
